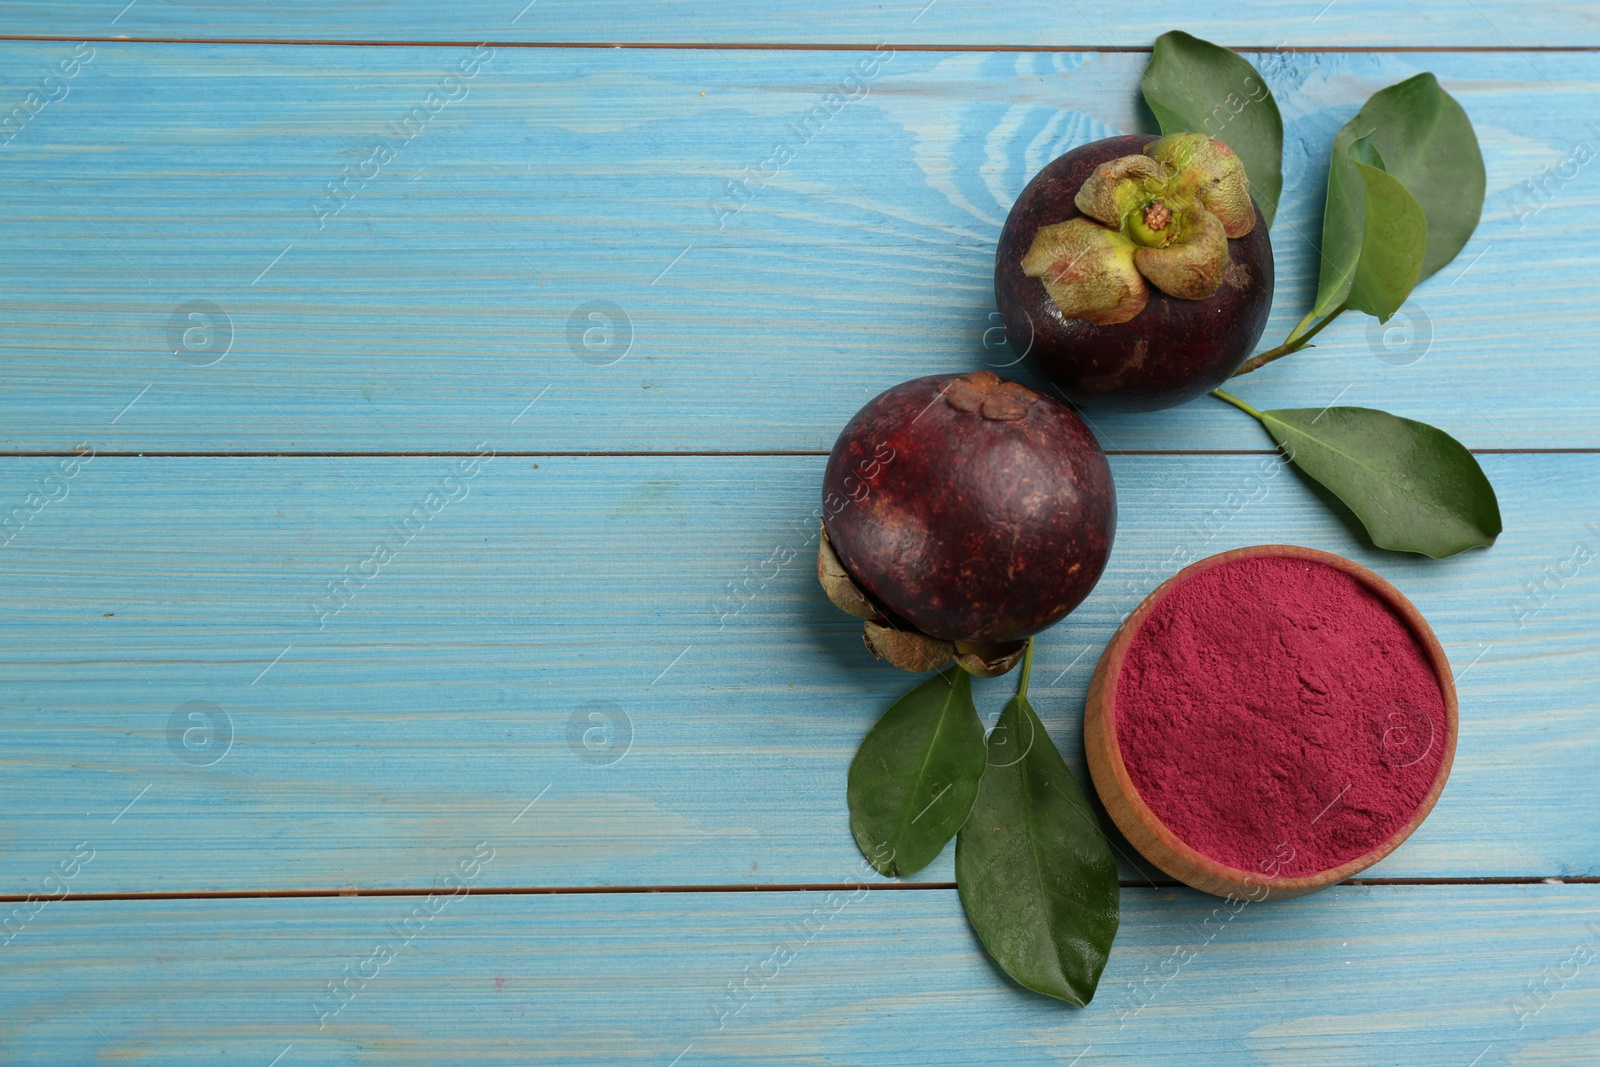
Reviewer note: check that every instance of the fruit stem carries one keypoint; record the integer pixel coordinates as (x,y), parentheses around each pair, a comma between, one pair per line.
(1236,402)
(1298,343)
(1027,669)
(1300,327)
(1295,343)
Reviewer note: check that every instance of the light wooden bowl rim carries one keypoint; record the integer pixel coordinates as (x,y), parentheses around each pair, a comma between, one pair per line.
(1147,833)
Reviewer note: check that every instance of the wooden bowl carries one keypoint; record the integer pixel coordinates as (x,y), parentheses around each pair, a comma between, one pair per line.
(1146,832)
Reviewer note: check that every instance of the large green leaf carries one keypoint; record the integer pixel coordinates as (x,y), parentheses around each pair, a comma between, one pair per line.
(1426,141)
(1035,872)
(1414,487)
(1392,245)
(1344,218)
(1194,86)
(915,775)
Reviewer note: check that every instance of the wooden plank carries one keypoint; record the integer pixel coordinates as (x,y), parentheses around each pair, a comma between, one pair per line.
(1496,24)
(572,631)
(455,280)
(1428,976)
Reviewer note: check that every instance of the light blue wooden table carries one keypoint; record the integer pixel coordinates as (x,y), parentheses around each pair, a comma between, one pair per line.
(402,436)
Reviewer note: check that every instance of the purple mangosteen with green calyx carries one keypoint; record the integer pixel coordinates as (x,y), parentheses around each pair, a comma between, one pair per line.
(1135,272)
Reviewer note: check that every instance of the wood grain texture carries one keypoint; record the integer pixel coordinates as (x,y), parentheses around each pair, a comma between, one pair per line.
(1357,976)
(1029,23)
(652,593)
(444,293)
(612,671)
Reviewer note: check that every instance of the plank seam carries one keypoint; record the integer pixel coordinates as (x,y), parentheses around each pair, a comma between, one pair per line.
(821,887)
(777,46)
(155,454)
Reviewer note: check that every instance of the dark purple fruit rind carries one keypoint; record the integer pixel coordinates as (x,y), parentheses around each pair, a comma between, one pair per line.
(980,525)
(1171,352)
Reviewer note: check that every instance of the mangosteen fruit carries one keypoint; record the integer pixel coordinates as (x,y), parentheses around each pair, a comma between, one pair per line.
(1135,272)
(961,515)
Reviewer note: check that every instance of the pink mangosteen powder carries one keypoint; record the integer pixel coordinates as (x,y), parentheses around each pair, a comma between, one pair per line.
(1277,715)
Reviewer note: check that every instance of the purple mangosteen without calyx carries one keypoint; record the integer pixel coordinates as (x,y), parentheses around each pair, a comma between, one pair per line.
(1135,272)
(962,515)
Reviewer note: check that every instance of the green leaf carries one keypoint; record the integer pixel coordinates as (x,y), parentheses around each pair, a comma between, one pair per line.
(915,776)
(1035,872)
(1362,150)
(1374,236)
(1194,86)
(1414,487)
(1396,234)
(1426,141)
(1344,219)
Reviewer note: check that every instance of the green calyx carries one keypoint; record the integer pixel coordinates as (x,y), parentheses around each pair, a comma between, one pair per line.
(1206,170)
(1163,217)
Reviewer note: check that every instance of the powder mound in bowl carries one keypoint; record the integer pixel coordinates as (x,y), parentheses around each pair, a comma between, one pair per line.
(1276,714)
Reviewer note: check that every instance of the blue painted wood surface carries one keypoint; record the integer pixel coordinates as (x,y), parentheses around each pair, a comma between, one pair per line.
(370,742)
(1356,976)
(1498,24)
(453,284)
(614,671)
